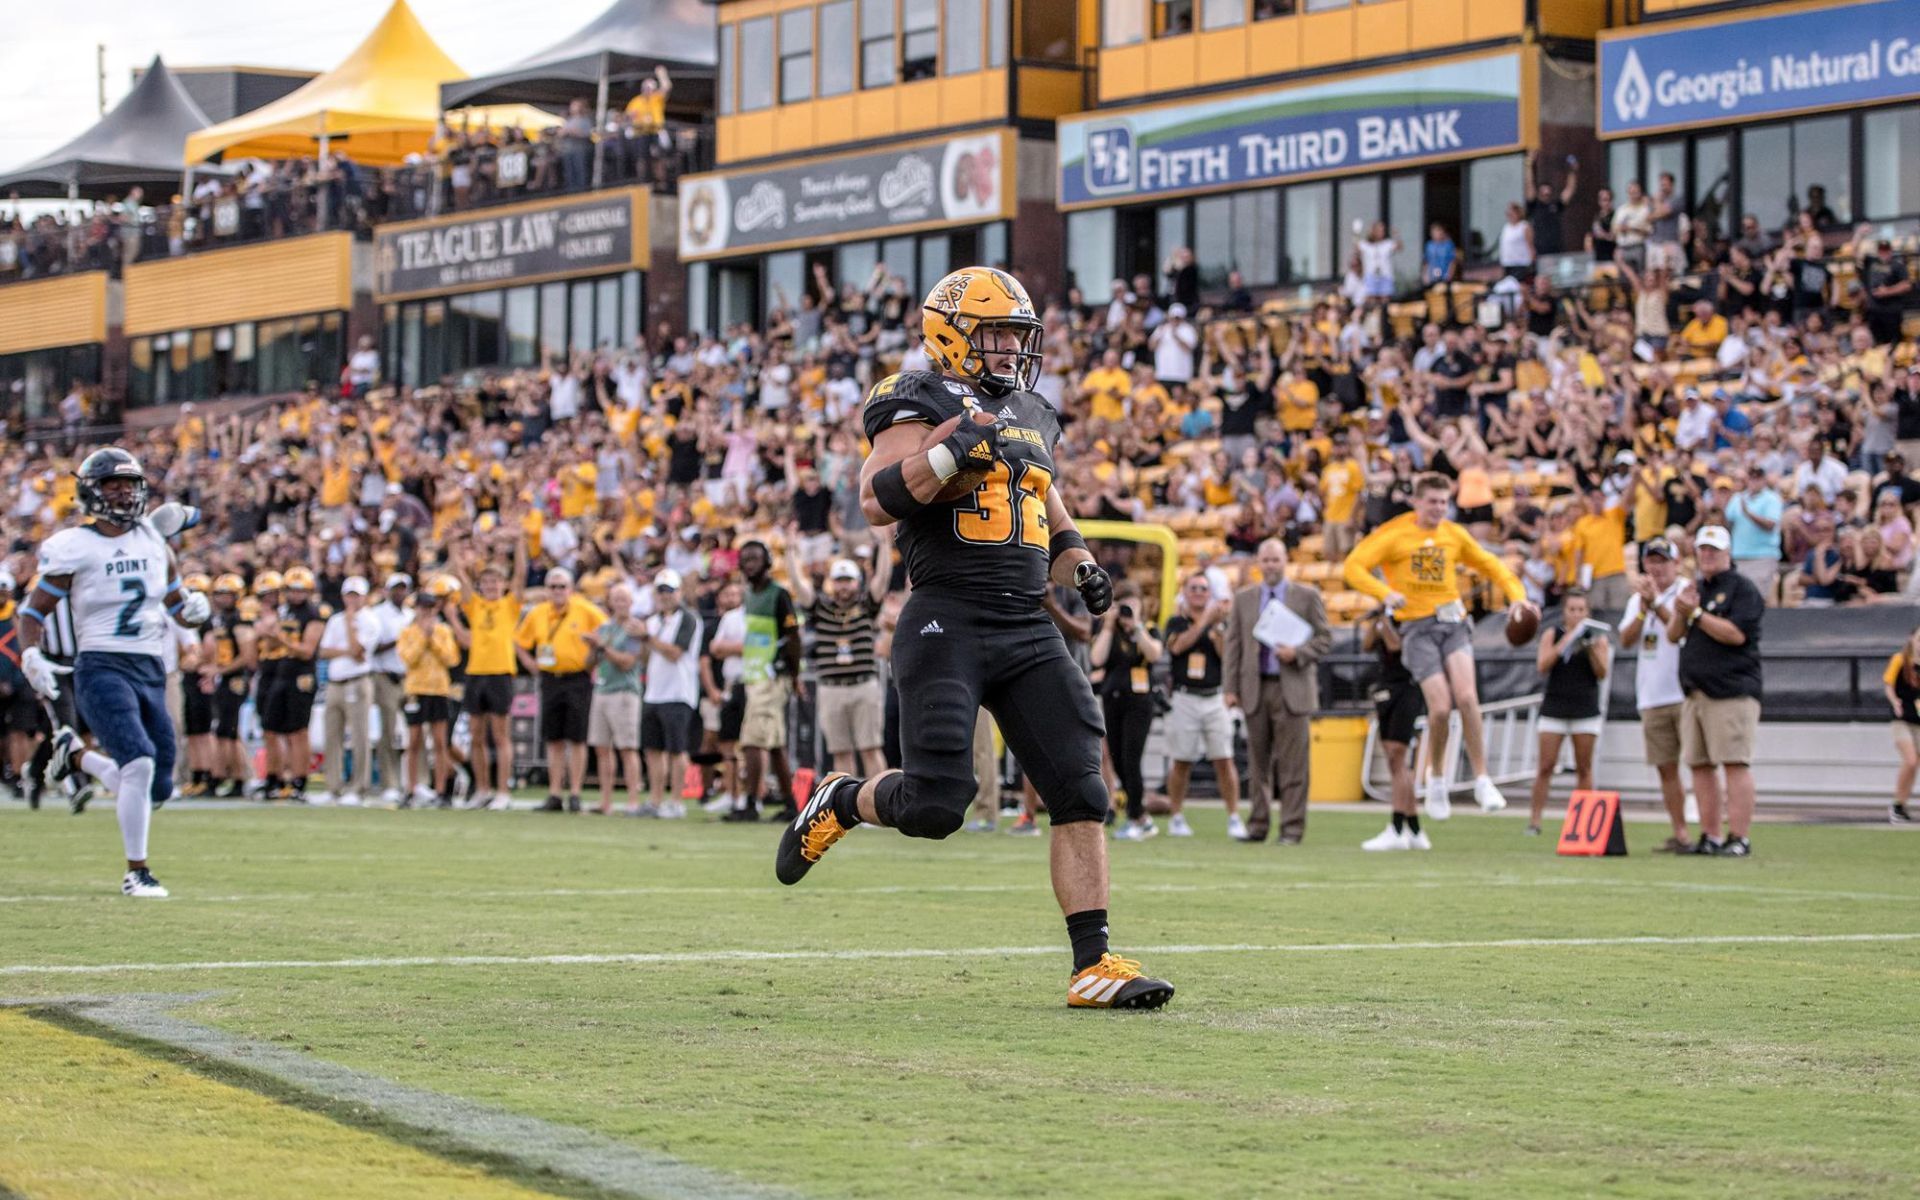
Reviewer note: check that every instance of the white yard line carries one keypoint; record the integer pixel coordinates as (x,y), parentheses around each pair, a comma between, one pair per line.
(1418,883)
(725,956)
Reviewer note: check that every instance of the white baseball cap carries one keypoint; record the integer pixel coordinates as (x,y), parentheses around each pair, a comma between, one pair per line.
(666,578)
(398,579)
(1714,537)
(353,586)
(843,568)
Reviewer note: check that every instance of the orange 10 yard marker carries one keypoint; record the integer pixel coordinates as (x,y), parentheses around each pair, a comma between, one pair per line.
(1592,828)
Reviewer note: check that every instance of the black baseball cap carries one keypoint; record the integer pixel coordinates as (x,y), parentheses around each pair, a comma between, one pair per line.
(1659,548)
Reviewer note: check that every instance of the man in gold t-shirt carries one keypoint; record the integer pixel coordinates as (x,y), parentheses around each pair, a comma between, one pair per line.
(484,626)
(1418,552)
(555,642)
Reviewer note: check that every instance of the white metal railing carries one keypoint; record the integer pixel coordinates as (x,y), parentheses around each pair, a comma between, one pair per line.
(1513,748)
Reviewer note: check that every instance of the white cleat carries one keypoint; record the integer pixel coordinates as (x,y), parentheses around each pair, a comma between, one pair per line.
(1418,841)
(141,885)
(1177,826)
(1487,796)
(501,802)
(320,799)
(1388,839)
(722,803)
(1137,831)
(424,797)
(392,797)
(351,800)
(1237,828)
(61,764)
(673,810)
(1439,805)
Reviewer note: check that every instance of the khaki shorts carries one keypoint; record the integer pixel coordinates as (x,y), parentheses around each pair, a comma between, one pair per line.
(1426,644)
(851,717)
(613,719)
(1660,730)
(1719,732)
(764,726)
(1905,734)
(1199,729)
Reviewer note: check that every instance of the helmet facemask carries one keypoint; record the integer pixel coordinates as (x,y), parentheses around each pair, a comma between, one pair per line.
(92,494)
(1026,357)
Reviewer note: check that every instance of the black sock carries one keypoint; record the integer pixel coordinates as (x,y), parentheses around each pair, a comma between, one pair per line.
(846,802)
(1399,822)
(1413,823)
(1088,932)
(273,783)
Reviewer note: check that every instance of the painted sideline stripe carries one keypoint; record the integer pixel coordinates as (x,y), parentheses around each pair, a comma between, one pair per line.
(724,956)
(614,1166)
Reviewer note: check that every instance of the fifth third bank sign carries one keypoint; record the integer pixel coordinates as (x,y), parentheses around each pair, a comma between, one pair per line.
(1769,66)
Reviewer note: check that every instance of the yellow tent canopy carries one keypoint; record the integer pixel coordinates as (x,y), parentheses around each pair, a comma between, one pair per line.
(383,100)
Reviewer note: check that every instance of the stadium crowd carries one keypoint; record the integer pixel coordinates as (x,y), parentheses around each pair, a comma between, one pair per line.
(1762,382)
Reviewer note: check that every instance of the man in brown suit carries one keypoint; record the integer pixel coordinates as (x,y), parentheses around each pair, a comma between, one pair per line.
(1278,689)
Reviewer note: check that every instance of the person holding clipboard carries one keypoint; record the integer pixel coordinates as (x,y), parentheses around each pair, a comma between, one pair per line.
(1276,635)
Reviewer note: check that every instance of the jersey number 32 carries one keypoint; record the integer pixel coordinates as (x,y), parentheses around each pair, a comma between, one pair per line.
(991,521)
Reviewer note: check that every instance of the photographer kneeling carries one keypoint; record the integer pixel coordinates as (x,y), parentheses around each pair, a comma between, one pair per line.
(1575,659)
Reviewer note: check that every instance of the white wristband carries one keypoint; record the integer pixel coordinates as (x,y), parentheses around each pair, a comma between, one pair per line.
(941,460)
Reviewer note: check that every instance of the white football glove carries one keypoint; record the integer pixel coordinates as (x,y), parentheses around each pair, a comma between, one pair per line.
(195,608)
(43,674)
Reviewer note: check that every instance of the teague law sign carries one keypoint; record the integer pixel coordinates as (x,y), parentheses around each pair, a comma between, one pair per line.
(515,244)
(1738,70)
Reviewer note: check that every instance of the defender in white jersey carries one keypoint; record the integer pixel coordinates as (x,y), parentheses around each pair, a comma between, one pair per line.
(117,575)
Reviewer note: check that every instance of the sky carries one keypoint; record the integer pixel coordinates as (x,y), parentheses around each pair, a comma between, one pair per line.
(48,82)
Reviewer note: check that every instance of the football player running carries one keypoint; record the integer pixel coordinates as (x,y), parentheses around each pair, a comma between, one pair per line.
(119,577)
(973,632)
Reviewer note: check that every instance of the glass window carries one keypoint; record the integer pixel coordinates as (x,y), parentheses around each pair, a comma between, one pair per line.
(999,25)
(698,301)
(1668,158)
(1326,5)
(580,316)
(1090,245)
(1892,138)
(139,372)
(898,254)
(1309,232)
(756,64)
(553,321)
(409,347)
(433,341)
(523,326)
(1266,10)
(606,313)
(630,314)
(993,245)
(281,369)
(729,77)
(459,333)
(1492,184)
(1172,17)
(786,280)
(1256,233)
(796,55)
(836,48)
(1169,233)
(1712,184)
(1359,203)
(1222,14)
(1123,22)
(1623,166)
(1213,239)
(484,311)
(1823,168)
(1766,190)
(920,39)
(936,257)
(876,43)
(328,351)
(1406,217)
(737,287)
(853,262)
(963,37)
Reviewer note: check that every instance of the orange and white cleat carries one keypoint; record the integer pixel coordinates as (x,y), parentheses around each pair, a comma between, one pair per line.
(1116,982)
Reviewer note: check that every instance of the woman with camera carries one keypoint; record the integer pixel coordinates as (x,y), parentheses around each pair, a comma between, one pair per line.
(1124,651)
(1575,659)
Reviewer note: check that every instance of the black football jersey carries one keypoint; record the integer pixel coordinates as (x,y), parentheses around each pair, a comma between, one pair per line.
(992,544)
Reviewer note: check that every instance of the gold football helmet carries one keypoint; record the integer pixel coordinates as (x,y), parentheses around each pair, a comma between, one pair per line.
(267,581)
(299,579)
(229,583)
(973,301)
(441,587)
(196,582)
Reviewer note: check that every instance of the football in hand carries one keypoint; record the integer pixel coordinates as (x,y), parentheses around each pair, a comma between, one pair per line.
(1522,624)
(969,478)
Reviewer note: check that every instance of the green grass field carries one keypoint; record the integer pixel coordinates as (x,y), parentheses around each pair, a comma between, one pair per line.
(1301,1056)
